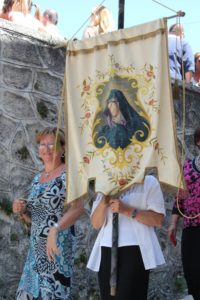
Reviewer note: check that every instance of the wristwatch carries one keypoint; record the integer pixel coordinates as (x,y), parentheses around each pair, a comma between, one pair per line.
(134,213)
(57,226)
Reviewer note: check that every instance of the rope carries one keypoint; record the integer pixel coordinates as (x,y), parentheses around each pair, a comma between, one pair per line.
(182,214)
(60,107)
(164,6)
(179,14)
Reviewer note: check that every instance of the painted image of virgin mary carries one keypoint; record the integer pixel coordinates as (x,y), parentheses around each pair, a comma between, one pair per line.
(120,123)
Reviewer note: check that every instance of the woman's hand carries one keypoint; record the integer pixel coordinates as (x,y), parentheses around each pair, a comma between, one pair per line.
(118,206)
(52,248)
(171,232)
(19,206)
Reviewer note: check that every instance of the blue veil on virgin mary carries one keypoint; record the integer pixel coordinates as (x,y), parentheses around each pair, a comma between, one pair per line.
(119,124)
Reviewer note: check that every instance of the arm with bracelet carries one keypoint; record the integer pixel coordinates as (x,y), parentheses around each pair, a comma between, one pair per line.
(68,219)
(147,217)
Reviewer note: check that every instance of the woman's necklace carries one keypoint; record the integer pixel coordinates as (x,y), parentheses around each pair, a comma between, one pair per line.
(197,163)
(47,174)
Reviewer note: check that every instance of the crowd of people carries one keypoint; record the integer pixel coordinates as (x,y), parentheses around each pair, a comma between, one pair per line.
(183,64)
(49,265)
(20,12)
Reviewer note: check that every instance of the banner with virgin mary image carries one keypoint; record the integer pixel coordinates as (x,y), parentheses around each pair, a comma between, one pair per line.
(119,111)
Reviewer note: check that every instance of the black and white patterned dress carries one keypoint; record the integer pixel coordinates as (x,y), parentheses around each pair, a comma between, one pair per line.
(41,278)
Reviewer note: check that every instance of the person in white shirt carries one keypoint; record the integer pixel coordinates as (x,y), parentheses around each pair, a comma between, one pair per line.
(50,21)
(141,208)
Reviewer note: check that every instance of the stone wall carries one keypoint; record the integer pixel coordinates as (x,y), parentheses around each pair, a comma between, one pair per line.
(31,76)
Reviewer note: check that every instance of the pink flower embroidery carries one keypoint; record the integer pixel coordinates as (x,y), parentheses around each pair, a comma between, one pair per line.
(86,159)
(86,88)
(122,182)
(87,114)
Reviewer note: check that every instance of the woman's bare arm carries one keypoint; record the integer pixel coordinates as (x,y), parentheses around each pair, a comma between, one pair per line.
(150,218)
(99,215)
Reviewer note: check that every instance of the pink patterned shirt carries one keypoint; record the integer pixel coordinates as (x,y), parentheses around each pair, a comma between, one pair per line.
(189,202)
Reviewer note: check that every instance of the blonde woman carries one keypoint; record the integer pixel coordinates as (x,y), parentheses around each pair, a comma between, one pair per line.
(21,15)
(101,21)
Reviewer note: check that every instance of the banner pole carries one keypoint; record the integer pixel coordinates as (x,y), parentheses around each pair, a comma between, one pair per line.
(115,219)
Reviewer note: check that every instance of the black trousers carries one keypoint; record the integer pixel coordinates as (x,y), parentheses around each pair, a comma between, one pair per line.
(190,249)
(132,279)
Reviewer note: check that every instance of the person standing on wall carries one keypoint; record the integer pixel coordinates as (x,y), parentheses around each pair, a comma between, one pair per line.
(101,21)
(180,52)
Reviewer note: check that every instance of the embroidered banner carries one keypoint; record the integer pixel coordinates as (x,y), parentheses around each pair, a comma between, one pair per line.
(119,111)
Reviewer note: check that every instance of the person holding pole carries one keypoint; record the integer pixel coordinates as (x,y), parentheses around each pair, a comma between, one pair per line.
(140,209)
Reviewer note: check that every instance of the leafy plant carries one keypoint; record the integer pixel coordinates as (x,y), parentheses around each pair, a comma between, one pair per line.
(81,259)
(42,109)
(23,153)
(6,206)
(180,284)
(14,237)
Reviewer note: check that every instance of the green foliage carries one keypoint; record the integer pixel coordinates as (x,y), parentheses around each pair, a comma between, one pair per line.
(81,259)
(180,284)
(94,295)
(23,153)
(2,283)
(42,109)
(14,237)
(6,206)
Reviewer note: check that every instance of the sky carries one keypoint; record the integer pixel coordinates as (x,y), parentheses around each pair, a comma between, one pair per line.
(73,13)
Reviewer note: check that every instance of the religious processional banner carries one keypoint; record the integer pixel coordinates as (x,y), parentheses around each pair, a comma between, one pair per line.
(119,111)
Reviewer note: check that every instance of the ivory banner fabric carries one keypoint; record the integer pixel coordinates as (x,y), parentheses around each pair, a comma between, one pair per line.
(119,111)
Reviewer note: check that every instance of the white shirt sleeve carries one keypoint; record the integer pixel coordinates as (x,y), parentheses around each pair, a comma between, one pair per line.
(155,200)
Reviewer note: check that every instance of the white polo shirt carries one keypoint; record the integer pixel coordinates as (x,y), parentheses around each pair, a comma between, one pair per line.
(146,196)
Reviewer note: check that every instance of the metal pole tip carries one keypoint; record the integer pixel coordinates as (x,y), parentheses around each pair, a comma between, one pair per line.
(181,13)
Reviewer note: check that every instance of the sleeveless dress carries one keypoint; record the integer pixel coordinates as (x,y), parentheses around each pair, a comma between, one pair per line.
(41,278)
